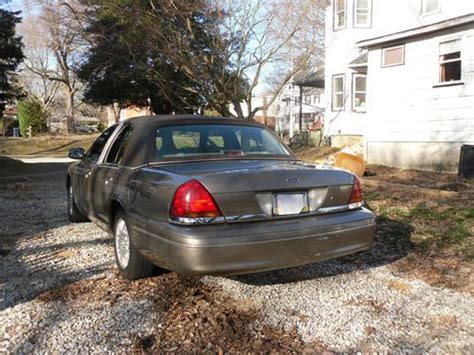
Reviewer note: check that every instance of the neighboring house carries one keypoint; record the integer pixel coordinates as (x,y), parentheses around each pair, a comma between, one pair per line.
(304,96)
(400,79)
(8,116)
(134,111)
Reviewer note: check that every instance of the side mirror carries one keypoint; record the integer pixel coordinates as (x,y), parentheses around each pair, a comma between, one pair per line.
(77,153)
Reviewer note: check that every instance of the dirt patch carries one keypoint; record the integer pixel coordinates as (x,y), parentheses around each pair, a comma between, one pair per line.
(426,179)
(194,317)
(399,286)
(316,154)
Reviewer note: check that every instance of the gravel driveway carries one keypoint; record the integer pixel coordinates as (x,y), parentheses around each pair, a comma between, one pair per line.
(60,292)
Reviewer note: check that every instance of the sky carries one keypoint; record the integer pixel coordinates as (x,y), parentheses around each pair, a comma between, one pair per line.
(13,5)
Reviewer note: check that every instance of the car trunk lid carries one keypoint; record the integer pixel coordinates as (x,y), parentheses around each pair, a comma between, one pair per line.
(246,188)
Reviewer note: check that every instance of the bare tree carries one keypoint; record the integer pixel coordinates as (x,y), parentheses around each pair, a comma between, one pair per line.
(55,52)
(38,63)
(245,42)
(256,37)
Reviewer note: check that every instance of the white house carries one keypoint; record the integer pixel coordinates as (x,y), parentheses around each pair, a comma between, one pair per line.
(400,78)
(303,95)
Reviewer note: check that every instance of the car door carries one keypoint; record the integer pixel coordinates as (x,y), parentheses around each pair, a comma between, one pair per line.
(105,175)
(84,170)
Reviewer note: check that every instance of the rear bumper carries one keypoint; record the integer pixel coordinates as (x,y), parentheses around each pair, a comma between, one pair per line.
(240,248)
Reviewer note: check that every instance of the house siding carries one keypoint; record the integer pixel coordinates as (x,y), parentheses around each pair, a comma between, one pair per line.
(411,123)
(408,122)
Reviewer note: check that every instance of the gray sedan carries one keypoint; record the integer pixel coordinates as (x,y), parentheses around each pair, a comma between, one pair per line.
(201,195)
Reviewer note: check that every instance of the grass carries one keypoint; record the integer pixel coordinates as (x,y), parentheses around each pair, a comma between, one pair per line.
(439,226)
(44,146)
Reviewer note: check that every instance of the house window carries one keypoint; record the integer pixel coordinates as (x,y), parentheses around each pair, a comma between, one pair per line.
(450,61)
(429,6)
(359,92)
(338,92)
(393,56)
(339,14)
(362,13)
(307,99)
(316,99)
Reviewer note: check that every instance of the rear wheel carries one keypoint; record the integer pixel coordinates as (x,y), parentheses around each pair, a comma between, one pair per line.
(130,262)
(75,215)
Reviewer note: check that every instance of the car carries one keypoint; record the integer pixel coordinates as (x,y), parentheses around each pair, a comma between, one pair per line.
(82,128)
(219,196)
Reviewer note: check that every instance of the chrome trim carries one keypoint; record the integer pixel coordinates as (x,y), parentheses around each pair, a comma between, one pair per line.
(353,206)
(332,209)
(196,221)
(109,143)
(247,217)
(261,216)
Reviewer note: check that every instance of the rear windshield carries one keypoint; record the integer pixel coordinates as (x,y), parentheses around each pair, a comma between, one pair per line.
(214,139)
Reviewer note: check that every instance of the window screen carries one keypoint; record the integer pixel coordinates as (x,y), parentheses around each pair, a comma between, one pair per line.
(429,6)
(393,56)
(338,92)
(339,14)
(359,92)
(450,61)
(363,16)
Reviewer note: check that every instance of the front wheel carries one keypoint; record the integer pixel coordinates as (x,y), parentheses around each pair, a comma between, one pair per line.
(130,262)
(75,215)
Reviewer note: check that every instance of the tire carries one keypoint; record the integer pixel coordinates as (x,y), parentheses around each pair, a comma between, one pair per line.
(131,264)
(75,215)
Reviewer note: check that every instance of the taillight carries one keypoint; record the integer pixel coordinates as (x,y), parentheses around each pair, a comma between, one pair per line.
(192,200)
(356,193)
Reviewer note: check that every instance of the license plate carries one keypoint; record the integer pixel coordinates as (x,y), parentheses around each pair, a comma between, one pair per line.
(290,203)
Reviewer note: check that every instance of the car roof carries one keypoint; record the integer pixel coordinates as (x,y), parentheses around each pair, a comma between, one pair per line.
(166,120)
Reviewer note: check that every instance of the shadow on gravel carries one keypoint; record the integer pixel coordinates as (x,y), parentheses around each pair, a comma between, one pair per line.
(66,246)
(16,169)
(392,242)
(33,203)
(187,316)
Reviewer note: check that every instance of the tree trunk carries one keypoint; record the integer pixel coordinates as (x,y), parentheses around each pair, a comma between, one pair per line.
(69,97)
(113,114)
(238,110)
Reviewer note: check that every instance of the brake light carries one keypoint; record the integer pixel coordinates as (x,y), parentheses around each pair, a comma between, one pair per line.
(356,193)
(192,200)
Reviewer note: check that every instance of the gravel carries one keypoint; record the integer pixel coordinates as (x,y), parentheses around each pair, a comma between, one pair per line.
(60,292)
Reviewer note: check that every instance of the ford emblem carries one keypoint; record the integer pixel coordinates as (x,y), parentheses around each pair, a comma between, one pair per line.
(293,179)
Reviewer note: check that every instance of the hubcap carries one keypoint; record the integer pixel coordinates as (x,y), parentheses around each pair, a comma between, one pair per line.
(70,200)
(122,243)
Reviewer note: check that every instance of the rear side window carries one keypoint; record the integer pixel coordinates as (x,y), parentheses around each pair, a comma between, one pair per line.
(207,140)
(118,148)
(98,146)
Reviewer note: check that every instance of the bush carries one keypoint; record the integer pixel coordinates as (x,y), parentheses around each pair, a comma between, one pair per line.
(31,113)
(101,126)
